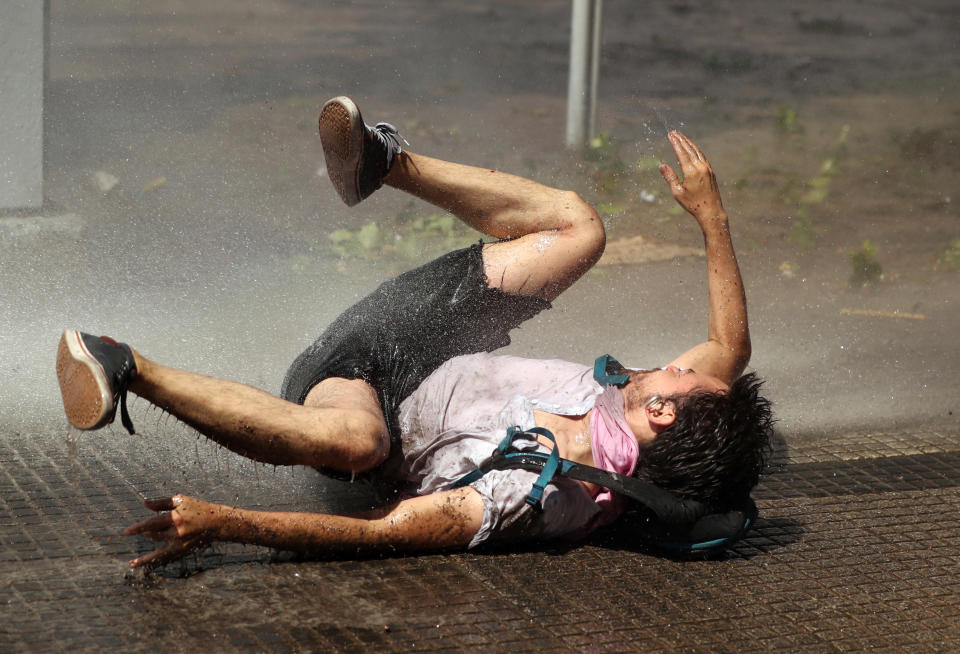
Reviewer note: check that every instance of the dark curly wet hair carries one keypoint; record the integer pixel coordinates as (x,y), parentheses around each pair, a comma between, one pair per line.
(717,446)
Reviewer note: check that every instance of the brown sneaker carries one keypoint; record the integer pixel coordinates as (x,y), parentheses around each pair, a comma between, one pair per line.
(358,156)
(93,372)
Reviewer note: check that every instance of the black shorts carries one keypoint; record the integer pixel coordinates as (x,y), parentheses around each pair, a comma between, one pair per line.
(400,333)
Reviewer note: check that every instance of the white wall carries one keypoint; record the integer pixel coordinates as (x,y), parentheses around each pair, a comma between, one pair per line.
(21,103)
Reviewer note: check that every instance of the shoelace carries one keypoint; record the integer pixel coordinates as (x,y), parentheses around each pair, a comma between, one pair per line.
(124,414)
(389,136)
(125,377)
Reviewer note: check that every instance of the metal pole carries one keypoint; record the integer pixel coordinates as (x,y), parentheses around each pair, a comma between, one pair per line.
(577,87)
(585,26)
(595,40)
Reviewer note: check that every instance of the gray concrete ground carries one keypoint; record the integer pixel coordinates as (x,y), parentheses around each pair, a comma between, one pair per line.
(209,254)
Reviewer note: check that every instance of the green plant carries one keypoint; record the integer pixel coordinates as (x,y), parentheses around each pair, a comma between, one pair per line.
(363,242)
(600,148)
(648,164)
(616,187)
(867,271)
(817,192)
(437,232)
(408,237)
(607,168)
(818,188)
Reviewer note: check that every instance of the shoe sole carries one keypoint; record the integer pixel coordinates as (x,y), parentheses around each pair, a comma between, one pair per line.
(87,398)
(341,133)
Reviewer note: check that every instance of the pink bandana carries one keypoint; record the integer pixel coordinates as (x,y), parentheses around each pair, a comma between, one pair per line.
(615,449)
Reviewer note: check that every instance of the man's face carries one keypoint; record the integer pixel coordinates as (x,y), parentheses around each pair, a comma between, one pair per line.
(646,420)
(669,381)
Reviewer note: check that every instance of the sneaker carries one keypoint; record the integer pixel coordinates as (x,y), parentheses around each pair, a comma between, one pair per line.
(358,156)
(93,372)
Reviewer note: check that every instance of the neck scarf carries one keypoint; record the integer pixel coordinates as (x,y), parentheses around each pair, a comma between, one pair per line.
(614,446)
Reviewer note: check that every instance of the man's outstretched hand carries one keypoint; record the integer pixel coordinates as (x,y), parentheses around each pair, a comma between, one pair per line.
(727,349)
(697,192)
(184,524)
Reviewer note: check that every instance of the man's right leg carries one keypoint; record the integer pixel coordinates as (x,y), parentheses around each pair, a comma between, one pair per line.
(339,427)
(549,237)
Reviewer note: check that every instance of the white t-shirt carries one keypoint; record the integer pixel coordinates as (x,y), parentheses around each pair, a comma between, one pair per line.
(460,413)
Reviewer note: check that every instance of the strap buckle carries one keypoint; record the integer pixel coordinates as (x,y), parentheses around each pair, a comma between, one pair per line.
(607,371)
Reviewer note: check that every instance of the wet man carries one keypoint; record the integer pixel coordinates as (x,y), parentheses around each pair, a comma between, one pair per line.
(404,382)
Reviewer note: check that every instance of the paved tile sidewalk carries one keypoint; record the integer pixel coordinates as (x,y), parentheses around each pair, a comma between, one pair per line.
(849,554)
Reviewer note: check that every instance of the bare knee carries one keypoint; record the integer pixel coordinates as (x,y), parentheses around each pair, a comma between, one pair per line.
(583,224)
(367,442)
(347,440)
(351,432)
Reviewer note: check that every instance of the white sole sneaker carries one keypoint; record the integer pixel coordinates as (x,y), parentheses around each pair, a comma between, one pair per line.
(87,395)
(342,135)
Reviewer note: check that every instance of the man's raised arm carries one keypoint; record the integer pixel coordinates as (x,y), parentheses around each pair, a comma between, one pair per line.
(727,350)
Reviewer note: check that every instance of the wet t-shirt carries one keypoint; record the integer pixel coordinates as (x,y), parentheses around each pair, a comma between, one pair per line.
(459,414)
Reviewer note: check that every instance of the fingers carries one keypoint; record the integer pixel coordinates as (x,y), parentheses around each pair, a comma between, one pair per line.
(158,527)
(151,527)
(154,558)
(169,551)
(670,176)
(697,192)
(167,526)
(162,503)
(680,149)
(686,150)
(690,147)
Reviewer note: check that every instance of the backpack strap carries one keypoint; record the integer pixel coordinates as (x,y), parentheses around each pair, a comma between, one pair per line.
(548,463)
(670,523)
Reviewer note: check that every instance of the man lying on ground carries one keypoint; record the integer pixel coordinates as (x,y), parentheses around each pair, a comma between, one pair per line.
(403,382)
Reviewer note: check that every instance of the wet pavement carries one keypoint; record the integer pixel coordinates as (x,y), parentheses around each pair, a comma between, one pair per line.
(857,547)
(207,256)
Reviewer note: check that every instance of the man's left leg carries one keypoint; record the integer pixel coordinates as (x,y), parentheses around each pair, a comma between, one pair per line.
(340,426)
